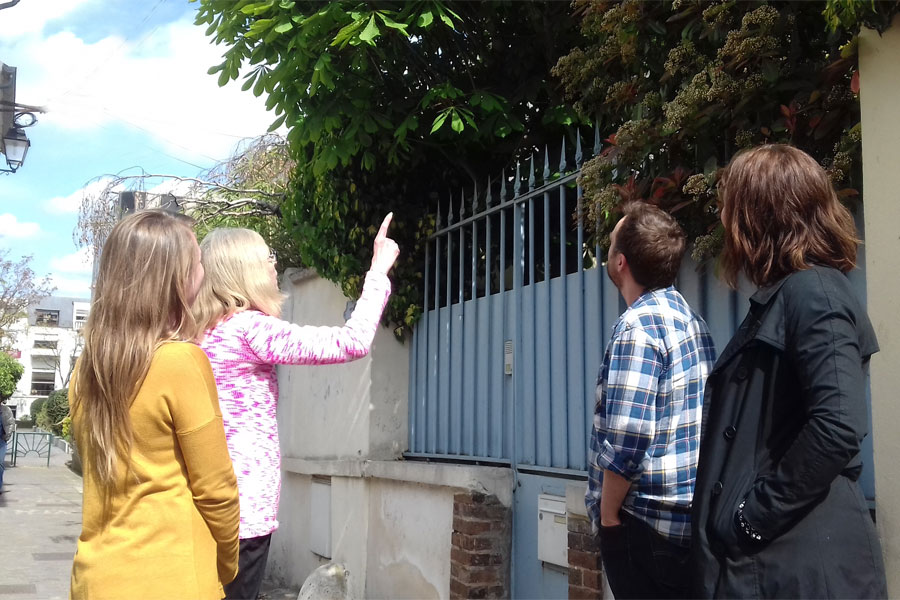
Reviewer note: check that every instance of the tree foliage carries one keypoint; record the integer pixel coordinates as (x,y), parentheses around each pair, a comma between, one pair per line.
(390,105)
(11,372)
(681,86)
(55,411)
(36,406)
(853,14)
(245,190)
(19,288)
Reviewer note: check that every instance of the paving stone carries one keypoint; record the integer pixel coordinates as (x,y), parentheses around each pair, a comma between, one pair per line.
(40,520)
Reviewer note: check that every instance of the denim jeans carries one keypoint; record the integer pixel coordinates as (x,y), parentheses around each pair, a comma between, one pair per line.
(640,563)
(2,458)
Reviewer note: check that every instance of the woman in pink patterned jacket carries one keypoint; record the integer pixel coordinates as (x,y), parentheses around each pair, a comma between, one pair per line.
(238,307)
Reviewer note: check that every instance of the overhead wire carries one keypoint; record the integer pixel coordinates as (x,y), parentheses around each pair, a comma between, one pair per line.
(83,80)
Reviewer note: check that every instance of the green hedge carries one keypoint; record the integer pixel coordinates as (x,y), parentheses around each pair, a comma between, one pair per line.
(36,407)
(57,409)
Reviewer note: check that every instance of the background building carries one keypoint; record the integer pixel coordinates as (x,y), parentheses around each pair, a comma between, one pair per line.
(47,344)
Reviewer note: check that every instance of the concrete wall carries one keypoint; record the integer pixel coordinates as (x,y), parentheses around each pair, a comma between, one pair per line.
(391,520)
(879,92)
(348,410)
(410,526)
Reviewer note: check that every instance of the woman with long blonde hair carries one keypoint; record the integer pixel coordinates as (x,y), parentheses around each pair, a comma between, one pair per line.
(239,307)
(160,511)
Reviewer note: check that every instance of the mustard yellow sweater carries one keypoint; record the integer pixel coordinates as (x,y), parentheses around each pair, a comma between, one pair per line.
(172,527)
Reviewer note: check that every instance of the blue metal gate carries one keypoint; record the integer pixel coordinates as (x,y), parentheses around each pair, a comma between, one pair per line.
(518,310)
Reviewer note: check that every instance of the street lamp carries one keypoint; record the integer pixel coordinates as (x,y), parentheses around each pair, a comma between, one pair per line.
(15,144)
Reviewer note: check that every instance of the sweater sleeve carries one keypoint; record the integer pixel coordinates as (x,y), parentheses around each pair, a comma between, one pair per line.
(275,341)
(9,423)
(201,437)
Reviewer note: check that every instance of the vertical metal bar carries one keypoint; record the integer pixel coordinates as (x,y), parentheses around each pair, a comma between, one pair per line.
(474,258)
(579,156)
(517,184)
(531,174)
(413,387)
(434,396)
(546,173)
(447,386)
(547,265)
(502,251)
(423,327)
(462,262)
(448,292)
(437,264)
(564,332)
(518,273)
(531,238)
(481,441)
(563,234)
(488,264)
(582,415)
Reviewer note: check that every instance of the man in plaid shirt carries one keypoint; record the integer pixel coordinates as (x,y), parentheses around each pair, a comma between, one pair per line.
(646,434)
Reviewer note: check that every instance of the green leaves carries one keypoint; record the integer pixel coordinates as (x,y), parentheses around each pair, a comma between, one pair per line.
(389,104)
(680,90)
(370,32)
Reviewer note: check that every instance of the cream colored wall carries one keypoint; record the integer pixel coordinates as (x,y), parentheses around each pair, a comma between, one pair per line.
(410,526)
(290,560)
(879,66)
(391,520)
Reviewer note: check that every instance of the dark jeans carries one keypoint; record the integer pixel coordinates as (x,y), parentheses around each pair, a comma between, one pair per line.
(640,563)
(251,568)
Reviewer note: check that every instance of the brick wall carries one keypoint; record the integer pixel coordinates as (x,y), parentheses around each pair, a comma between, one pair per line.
(481,547)
(585,568)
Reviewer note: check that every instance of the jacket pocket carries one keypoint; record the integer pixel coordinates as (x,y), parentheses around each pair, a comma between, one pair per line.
(724,529)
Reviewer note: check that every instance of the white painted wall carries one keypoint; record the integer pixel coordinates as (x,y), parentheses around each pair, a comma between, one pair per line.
(391,520)
(879,90)
(349,410)
(410,526)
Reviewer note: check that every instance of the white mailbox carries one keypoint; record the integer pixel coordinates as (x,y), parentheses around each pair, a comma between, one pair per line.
(553,532)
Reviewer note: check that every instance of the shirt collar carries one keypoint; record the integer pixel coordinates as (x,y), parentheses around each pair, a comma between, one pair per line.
(764,294)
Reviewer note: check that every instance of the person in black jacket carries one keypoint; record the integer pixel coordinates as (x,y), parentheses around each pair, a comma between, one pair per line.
(777,510)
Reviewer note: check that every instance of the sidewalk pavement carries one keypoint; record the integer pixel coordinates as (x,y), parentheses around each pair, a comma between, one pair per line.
(40,520)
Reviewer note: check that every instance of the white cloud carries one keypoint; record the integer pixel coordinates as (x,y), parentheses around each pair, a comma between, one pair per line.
(71,286)
(69,205)
(80,262)
(30,17)
(11,227)
(157,84)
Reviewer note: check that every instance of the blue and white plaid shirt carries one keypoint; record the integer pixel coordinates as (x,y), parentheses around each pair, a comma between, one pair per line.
(648,411)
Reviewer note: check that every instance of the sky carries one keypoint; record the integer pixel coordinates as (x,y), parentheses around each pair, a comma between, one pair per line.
(126,89)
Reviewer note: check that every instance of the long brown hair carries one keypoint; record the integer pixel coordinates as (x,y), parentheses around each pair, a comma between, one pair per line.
(781,215)
(140,301)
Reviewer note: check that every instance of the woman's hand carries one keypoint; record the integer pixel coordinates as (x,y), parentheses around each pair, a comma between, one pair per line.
(386,249)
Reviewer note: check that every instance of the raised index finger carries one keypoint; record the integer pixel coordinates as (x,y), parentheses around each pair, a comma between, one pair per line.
(382,232)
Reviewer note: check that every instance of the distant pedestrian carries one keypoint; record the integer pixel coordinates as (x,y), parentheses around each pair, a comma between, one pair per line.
(160,511)
(646,434)
(778,512)
(239,307)
(7,428)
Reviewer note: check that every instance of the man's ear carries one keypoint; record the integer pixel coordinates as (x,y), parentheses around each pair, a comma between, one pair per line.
(621,261)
